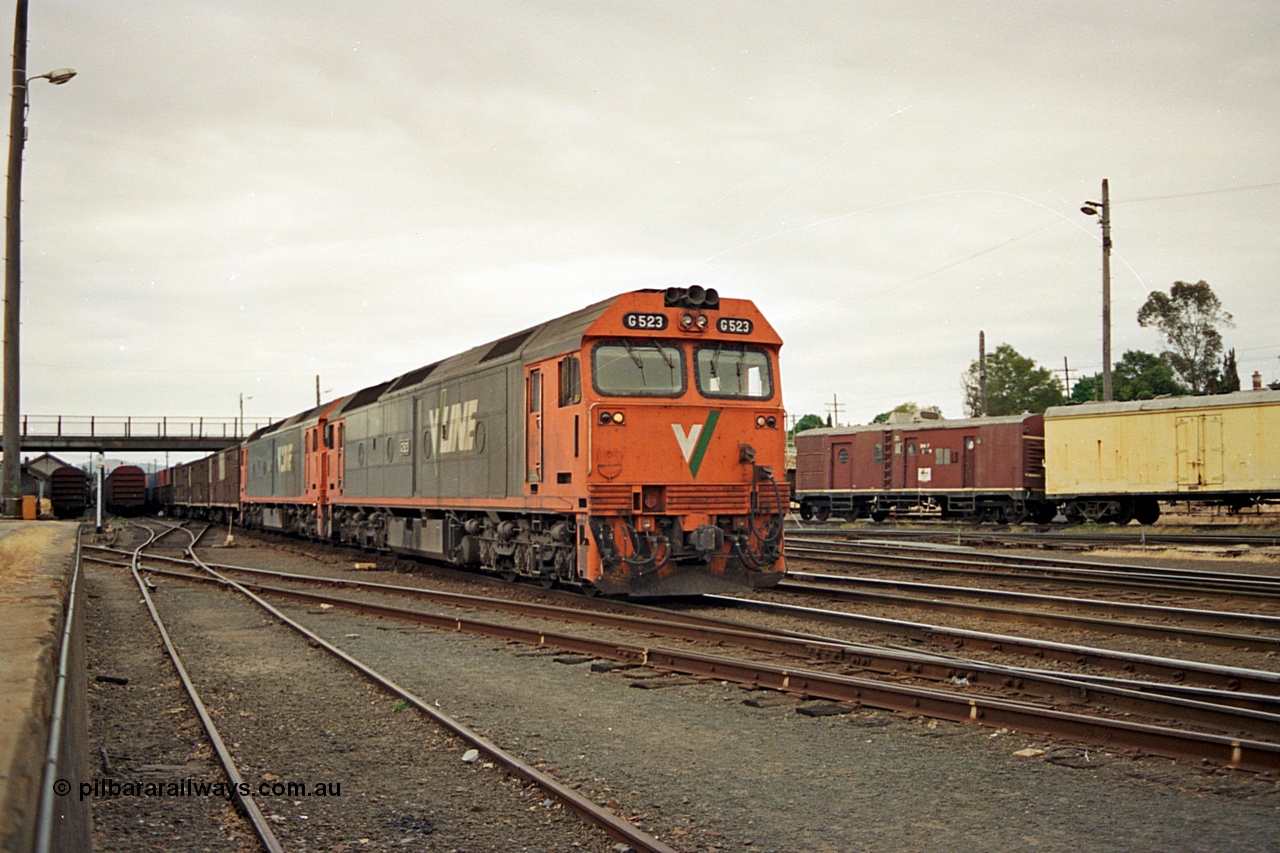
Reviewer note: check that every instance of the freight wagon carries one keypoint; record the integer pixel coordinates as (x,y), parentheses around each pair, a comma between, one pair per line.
(988,469)
(68,492)
(1118,461)
(125,490)
(207,488)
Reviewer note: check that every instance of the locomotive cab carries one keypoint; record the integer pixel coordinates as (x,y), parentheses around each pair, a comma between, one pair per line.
(684,453)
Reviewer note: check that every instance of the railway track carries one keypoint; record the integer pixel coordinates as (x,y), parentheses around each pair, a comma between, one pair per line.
(1189,700)
(1045,536)
(1048,592)
(613,825)
(961,561)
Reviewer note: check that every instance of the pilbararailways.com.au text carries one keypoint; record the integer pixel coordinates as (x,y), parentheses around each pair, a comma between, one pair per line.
(114,788)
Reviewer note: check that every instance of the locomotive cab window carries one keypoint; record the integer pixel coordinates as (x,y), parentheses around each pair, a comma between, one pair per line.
(741,372)
(639,368)
(570,381)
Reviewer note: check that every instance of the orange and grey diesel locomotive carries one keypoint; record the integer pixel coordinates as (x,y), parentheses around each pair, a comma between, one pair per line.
(628,448)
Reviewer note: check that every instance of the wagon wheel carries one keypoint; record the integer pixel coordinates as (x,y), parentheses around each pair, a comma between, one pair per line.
(1017,513)
(822,513)
(879,515)
(806,511)
(1147,510)
(1124,514)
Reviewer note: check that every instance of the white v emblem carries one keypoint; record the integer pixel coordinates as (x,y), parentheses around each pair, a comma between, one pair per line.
(689,441)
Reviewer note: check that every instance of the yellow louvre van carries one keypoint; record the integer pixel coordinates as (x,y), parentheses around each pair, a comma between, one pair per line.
(1224,449)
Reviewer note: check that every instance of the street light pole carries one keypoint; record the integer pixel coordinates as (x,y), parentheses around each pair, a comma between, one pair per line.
(11,475)
(1102,210)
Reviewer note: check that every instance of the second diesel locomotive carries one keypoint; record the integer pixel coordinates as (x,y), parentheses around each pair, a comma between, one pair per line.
(633,447)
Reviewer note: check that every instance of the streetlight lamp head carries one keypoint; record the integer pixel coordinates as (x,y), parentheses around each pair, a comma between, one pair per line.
(1089,211)
(58,76)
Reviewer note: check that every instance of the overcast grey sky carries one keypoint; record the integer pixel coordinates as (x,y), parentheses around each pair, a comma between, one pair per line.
(234,196)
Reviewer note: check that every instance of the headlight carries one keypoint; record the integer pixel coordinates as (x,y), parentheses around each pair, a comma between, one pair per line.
(618,418)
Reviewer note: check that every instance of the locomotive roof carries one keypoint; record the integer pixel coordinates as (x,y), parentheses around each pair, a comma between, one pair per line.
(916,424)
(1161,404)
(532,344)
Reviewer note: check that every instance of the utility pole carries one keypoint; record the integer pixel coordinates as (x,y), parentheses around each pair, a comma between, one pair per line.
(11,475)
(1066,376)
(1102,210)
(982,374)
(834,409)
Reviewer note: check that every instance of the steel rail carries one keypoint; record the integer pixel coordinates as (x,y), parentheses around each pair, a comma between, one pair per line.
(1256,621)
(248,805)
(1056,537)
(880,658)
(615,826)
(1116,696)
(45,808)
(1181,671)
(1207,676)
(1061,571)
(1232,752)
(1035,617)
(969,551)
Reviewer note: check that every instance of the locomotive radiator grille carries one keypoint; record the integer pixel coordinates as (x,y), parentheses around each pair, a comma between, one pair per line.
(608,499)
(730,499)
(710,499)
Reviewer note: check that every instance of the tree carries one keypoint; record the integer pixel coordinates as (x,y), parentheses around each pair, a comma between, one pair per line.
(1143,376)
(807,422)
(1138,376)
(911,408)
(1088,389)
(1015,384)
(1230,379)
(1188,316)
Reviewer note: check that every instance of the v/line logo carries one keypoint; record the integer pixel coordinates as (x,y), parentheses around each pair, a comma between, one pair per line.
(694,442)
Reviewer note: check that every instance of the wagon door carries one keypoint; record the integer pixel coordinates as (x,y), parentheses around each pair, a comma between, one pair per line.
(1199,450)
(968,462)
(842,464)
(533,428)
(911,461)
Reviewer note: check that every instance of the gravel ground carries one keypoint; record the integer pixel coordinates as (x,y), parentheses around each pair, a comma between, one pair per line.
(290,714)
(697,765)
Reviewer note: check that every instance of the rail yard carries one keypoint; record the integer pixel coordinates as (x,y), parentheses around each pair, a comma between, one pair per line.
(541,595)
(768,719)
